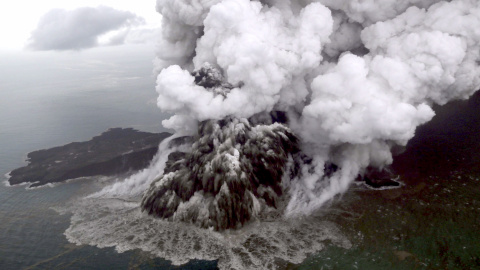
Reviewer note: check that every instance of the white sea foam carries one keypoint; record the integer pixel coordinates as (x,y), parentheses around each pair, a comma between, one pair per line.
(112,217)
(106,222)
(56,184)
(7,183)
(7,177)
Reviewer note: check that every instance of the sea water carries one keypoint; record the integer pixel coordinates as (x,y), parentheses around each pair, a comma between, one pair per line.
(50,99)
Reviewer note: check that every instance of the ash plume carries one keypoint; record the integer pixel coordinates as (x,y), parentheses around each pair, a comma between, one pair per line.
(353,78)
(233,171)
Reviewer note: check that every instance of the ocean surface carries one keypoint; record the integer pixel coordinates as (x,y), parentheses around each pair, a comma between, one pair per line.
(431,222)
(45,103)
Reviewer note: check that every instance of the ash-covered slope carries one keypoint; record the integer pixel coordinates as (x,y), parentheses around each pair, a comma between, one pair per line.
(233,171)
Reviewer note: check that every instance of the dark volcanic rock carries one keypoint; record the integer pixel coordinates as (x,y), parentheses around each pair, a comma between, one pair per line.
(376,178)
(212,79)
(184,140)
(233,170)
(114,151)
(175,162)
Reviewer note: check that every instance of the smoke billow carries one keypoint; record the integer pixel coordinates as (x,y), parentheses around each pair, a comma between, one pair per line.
(233,171)
(281,105)
(354,78)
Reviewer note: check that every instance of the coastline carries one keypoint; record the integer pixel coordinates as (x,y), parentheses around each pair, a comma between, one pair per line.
(396,180)
(7,176)
(114,151)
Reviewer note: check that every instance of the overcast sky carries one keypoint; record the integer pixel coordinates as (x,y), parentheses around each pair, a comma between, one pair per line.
(51,20)
(69,35)
(56,50)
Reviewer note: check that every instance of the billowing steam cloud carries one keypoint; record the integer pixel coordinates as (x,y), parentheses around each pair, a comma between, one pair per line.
(354,77)
(278,106)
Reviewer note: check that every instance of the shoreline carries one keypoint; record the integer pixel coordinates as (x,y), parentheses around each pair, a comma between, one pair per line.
(396,180)
(114,151)
(7,176)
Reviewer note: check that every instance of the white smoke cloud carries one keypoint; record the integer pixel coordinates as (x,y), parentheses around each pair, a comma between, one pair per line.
(367,12)
(260,49)
(357,77)
(80,28)
(181,27)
